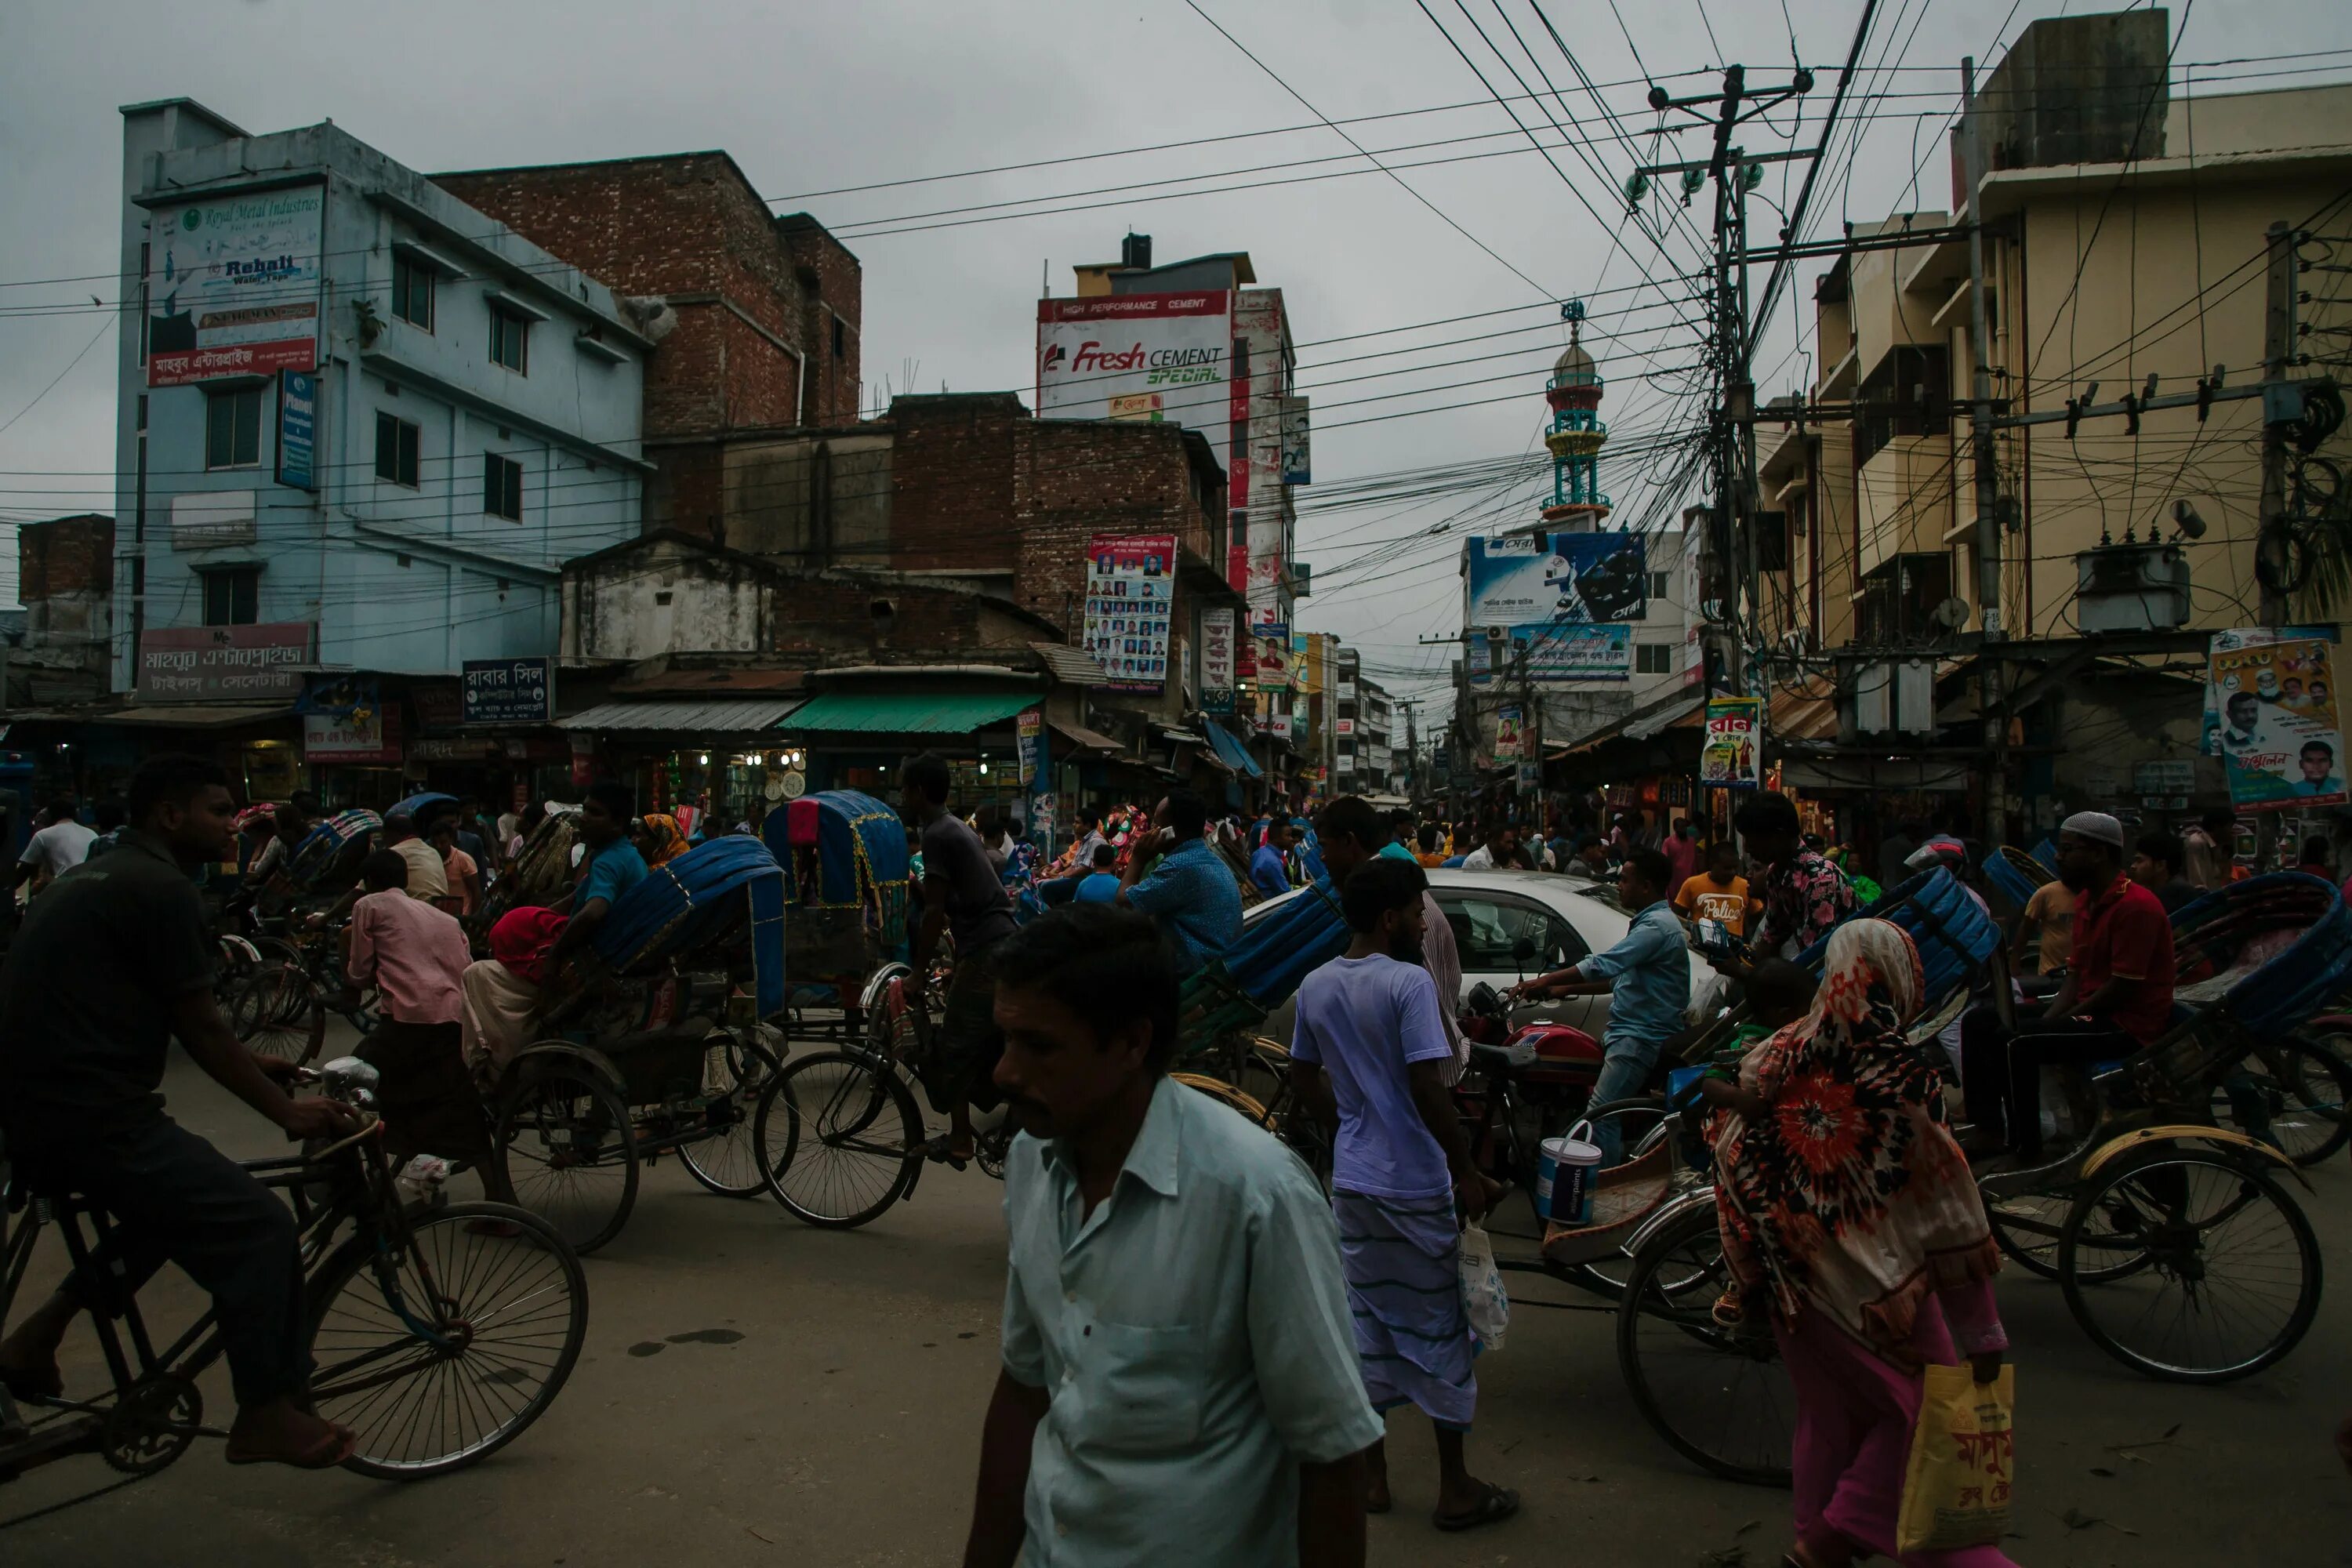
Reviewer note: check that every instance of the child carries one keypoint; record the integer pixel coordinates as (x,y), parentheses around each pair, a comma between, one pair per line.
(1101,885)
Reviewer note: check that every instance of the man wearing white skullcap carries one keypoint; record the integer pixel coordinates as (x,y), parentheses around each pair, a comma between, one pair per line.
(2117,995)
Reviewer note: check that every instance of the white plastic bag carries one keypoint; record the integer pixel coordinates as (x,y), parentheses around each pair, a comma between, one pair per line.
(1483,1297)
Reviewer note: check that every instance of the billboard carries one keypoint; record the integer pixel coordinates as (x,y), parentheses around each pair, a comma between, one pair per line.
(233,285)
(1533,577)
(1157,358)
(1556,653)
(1732,756)
(1217,660)
(2270,710)
(1130,590)
(259,663)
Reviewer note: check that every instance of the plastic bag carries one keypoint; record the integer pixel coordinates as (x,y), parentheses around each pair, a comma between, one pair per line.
(1483,1297)
(1955,1488)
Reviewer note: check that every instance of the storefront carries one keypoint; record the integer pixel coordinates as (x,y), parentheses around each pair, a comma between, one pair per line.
(723,760)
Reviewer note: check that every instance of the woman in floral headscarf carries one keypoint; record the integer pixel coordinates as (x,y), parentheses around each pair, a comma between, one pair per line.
(1848,1214)
(664,841)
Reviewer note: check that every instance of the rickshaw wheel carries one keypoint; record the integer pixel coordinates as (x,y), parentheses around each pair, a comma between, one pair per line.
(1720,1396)
(736,1066)
(566,1143)
(2223,1274)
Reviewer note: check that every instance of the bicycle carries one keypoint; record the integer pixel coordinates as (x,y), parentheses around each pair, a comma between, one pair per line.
(440,1331)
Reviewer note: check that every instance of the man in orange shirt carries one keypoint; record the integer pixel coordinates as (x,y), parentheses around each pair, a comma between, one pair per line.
(1720,892)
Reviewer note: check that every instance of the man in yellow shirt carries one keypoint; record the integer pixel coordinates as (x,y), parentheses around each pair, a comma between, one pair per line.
(2051,911)
(1720,892)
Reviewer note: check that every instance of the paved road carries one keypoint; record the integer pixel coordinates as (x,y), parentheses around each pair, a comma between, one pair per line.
(842,1428)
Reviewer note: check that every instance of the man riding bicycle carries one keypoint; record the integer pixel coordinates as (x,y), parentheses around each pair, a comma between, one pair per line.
(110,964)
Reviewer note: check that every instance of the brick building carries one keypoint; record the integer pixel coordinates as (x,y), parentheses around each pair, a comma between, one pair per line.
(756,317)
(65,579)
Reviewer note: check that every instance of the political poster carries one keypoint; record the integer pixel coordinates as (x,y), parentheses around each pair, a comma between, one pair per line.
(233,285)
(1297,463)
(1028,742)
(2270,700)
(1157,358)
(1217,660)
(1532,577)
(1130,590)
(1510,731)
(1732,754)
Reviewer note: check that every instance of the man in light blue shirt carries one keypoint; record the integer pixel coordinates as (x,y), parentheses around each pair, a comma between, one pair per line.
(1647,977)
(1189,893)
(1180,1381)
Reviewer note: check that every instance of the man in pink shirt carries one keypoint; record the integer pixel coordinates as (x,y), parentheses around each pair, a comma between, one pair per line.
(416,957)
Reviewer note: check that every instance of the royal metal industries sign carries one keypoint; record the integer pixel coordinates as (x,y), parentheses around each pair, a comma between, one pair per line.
(233,285)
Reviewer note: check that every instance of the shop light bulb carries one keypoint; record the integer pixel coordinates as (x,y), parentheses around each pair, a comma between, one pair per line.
(703,758)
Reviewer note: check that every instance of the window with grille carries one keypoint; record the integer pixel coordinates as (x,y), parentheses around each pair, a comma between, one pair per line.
(502,487)
(233,429)
(396,450)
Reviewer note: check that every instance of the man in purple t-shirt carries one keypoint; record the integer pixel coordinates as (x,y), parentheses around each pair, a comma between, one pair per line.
(1370,1053)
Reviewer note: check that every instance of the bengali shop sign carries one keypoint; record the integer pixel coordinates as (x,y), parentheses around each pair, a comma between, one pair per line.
(233,286)
(1217,660)
(261,663)
(1732,756)
(509,691)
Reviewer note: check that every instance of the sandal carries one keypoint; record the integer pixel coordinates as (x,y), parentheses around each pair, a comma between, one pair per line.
(1498,1504)
(938,1151)
(34,1383)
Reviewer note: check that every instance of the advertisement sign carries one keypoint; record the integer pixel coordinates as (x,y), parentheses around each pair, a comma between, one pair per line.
(233,285)
(1296,467)
(1130,589)
(1558,577)
(1554,653)
(298,429)
(2270,709)
(1217,660)
(1530,777)
(1152,357)
(507,691)
(1273,666)
(1693,619)
(1509,731)
(371,736)
(1028,738)
(224,664)
(1732,756)
(1267,617)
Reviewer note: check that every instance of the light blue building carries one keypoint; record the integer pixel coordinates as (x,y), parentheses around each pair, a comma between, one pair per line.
(356,416)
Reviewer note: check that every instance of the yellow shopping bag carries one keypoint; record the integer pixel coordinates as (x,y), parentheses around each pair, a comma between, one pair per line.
(1955,1488)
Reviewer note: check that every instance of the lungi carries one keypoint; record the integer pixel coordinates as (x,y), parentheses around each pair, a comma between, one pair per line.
(1402,1260)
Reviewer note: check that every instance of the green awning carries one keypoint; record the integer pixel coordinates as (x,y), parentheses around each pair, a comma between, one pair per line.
(905,712)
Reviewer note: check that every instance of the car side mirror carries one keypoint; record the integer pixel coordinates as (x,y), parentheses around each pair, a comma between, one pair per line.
(1523,949)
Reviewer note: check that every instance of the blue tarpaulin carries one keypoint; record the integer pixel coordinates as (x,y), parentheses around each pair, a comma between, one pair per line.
(694,902)
(1229,747)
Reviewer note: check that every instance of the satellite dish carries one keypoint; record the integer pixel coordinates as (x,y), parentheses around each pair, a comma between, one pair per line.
(1951,614)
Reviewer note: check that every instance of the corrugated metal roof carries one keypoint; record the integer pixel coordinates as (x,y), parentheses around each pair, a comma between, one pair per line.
(907,712)
(1070,665)
(190,715)
(1085,739)
(738,715)
(1657,721)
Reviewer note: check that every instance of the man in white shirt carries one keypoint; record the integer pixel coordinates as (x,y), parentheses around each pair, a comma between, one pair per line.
(61,844)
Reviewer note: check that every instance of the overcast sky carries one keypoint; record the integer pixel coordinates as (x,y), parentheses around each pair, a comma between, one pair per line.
(810,96)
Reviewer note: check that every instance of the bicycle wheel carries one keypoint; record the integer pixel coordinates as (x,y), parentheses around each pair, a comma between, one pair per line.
(2189,1265)
(2291,1093)
(1641,1122)
(836,1134)
(509,1311)
(1720,1396)
(2027,1228)
(565,1141)
(276,1015)
(736,1066)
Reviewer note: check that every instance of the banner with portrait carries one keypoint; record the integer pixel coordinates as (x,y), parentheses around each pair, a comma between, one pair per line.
(2270,713)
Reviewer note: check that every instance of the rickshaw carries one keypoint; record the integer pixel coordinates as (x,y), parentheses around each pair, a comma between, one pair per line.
(657,1041)
(845,861)
(540,873)
(274,1008)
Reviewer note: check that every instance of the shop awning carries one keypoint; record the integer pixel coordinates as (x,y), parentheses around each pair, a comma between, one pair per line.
(1084,739)
(745,715)
(1229,747)
(1657,721)
(191,715)
(906,712)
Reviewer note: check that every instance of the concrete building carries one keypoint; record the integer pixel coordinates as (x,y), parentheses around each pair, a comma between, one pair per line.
(360,424)
(759,318)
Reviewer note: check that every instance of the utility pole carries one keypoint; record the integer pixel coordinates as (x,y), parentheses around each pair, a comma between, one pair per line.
(1990,684)
(1411,746)
(2278,350)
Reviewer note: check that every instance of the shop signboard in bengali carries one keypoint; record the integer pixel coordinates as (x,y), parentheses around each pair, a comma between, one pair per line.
(2271,712)
(368,736)
(1732,754)
(1131,594)
(1150,357)
(261,663)
(1532,578)
(1028,740)
(1217,660)
(298,429)
(233,285)
(1557,653)
(508,691)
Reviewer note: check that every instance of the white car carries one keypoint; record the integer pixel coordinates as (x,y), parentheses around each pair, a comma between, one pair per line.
(1510,926)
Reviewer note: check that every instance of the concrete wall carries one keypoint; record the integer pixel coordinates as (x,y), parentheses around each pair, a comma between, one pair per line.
(817,499)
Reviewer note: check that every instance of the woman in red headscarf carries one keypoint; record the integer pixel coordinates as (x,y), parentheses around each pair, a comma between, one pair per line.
(500,993)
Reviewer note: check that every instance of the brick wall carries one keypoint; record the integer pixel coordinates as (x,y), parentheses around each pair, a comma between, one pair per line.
(954,488)
(65,555)
(834,286)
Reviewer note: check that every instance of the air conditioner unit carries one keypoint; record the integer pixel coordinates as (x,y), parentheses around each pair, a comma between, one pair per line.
(2131,588)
